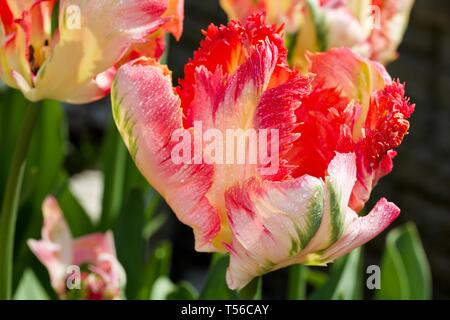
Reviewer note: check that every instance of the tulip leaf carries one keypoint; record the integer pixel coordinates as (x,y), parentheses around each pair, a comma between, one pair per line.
(12,108)
(114,161)
(30,288)
(130,241)
(215,287)
(297,281)
(405,272)
(345,279)
(42,176)
(157,266)
(47,152)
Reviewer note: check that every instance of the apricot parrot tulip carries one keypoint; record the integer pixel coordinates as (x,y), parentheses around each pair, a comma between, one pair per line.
(334,130)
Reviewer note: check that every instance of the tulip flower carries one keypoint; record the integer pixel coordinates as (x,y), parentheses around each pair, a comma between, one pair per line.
(76,62)
(334,130)
(373,28)
(100,274)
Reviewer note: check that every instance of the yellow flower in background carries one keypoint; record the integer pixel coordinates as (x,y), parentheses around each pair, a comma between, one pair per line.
(76,62)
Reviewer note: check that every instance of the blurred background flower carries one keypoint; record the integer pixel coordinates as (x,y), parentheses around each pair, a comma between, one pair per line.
(98,274)
(373,28)
(76,61)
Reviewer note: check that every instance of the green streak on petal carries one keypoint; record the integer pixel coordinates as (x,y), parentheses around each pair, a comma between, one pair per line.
(313,219)
(124,121)
(336,214)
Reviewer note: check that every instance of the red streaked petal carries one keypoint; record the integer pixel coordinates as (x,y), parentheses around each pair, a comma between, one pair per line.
(325,123)
(385,128)
(147,112)
(277,110)
(227,47)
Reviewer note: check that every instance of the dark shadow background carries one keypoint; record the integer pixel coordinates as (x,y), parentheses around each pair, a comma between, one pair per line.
(419,184)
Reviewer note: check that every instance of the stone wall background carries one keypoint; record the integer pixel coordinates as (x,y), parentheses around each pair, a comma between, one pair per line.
(420,182)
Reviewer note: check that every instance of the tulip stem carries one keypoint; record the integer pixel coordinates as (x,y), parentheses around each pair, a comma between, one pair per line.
(11,198)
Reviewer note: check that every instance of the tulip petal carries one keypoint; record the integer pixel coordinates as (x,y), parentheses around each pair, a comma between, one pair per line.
(147,113)
(55,249)
(305,220)
(88,248)
(362,229)
(272,222)
(175,11)
(357,77)
(104,36)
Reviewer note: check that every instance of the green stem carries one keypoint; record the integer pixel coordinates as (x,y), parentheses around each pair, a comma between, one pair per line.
(10,204)
(298,275)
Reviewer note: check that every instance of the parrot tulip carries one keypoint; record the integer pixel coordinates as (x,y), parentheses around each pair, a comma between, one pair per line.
(101,276)
(76,62)
(337,127)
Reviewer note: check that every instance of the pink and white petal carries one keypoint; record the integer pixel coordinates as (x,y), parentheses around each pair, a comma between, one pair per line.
(55,250)
(230,104)
(56,230)
(148,113)
(104,36)
(362,229)
(87,249)
(49,254)
(272,222)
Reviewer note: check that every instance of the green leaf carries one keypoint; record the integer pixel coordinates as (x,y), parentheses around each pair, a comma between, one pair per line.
(42,176)
(114,161)
(12,108)
(47,152)
(345,280)
(158,265)
(215,287)
(405,272)
(130,241)
(297,281)
(30,288)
